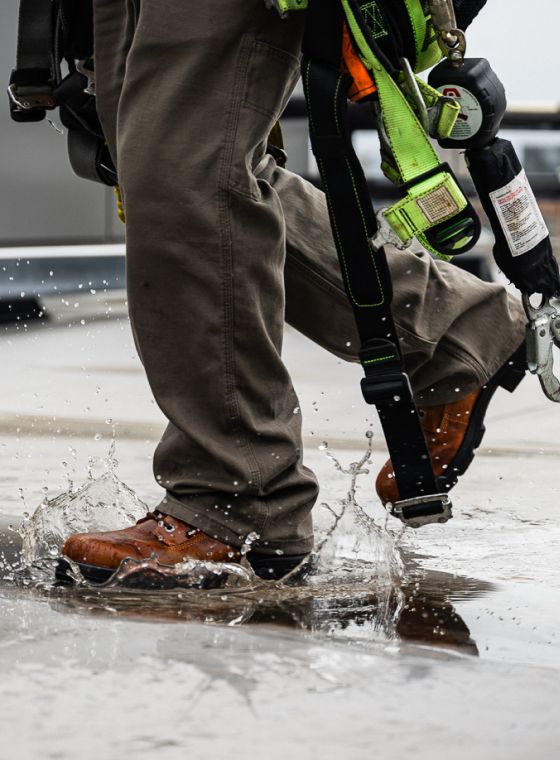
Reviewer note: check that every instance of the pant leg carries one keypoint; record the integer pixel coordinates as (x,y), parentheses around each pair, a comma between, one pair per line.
(203,85)
(456,331)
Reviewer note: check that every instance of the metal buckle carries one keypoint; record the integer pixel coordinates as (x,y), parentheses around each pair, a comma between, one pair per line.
(450,39)
(414,92)
(28,98)
(423,510)
(386,235)
(89,74)
(543,333)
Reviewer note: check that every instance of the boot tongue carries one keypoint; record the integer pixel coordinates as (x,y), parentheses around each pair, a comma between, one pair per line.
(172,532)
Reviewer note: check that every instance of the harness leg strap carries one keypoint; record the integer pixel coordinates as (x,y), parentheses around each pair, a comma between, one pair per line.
(368,285)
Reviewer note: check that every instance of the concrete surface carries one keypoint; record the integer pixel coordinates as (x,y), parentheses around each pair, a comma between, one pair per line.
(456,655)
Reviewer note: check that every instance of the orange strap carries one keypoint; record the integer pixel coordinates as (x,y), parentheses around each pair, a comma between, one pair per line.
(363,84)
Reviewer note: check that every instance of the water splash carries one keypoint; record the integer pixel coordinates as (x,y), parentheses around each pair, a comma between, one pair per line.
(357,564)
(356,546)
(102,503)
(355,587)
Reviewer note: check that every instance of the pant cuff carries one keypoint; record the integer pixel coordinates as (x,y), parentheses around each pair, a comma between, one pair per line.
(196,511)
(465,372)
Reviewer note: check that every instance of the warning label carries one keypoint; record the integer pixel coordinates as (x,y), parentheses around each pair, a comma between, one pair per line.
(519,215)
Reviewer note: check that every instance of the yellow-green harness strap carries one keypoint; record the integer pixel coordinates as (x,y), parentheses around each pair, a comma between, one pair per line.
(430,201)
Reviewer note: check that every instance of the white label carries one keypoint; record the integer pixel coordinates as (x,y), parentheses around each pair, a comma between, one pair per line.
(469,120)
(519,215)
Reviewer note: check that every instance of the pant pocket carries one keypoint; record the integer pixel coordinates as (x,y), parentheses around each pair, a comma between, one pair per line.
(270,74)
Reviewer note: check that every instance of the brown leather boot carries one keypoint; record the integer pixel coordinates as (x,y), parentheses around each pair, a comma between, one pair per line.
(445,427)
(156,536)
(454,431)
(163,538)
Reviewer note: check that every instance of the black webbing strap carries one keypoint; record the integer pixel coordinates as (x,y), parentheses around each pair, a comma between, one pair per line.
(34,77)
(365,272)
(366,278)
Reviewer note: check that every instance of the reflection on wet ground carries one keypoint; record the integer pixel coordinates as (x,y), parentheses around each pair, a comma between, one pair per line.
(421,611)
(418,610)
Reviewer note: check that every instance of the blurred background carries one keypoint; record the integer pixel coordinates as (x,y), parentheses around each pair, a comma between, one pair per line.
(57,231)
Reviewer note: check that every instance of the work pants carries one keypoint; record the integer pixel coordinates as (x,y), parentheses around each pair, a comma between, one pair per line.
(223,246)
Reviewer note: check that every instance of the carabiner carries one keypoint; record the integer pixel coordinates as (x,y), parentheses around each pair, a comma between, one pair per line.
(451,40)
(543,333)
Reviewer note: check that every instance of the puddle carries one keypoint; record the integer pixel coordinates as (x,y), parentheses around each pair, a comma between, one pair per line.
(359,585)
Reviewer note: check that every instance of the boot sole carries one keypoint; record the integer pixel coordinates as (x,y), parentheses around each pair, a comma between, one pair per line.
(265,567)
(508,377)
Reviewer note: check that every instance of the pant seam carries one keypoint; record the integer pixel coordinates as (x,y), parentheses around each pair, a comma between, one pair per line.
(330,287)
(228,279)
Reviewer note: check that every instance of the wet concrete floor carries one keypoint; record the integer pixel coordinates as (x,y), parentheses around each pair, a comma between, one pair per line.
(455,653)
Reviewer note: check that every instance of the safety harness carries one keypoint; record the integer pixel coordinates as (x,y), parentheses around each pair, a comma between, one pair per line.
(53,34)
(368,51)
(432,209)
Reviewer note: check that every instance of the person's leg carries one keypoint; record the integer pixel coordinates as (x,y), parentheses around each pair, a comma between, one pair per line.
(456,331)
(203,85)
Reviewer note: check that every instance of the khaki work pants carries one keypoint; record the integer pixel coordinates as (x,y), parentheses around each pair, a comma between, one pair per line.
(223,246)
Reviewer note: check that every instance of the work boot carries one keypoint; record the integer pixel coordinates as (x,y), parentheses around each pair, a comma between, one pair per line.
(454,431)
(163,538)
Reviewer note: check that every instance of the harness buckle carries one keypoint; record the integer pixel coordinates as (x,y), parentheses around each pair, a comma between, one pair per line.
(30,98)
(543,333)
(386,388)
(85,68)
(386,235)
(423,510)
(385,382)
